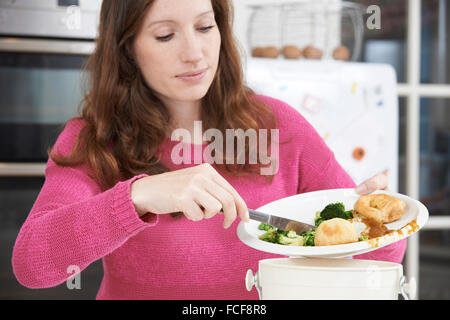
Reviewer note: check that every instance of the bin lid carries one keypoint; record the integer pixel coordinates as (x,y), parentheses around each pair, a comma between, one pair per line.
(328,264)
(329,273)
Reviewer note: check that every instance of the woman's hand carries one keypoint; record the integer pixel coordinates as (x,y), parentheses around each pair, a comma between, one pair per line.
(377,182)
(198,192)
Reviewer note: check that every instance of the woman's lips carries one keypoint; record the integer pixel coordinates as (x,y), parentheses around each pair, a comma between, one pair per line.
(193,77)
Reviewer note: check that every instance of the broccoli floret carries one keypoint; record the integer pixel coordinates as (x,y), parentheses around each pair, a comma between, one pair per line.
(279,236)
(335,210)
(289,238)
(292,234)
(287,241)
(269,236)
(265,226)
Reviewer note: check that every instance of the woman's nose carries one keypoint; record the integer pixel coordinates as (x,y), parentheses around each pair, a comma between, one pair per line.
(192,49)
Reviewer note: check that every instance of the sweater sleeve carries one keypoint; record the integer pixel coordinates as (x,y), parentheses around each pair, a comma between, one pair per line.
(319,170)
(72,223)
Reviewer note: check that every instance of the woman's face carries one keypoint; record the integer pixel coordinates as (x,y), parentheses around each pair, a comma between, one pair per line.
(179,37)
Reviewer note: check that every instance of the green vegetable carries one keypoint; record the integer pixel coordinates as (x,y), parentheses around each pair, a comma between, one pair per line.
(291,234)
(265,226)
(282,232)
(308,237)
(290,241)
(335,210)
(278,236)
(318,219)
(269,236)
(349,215)
(363,238)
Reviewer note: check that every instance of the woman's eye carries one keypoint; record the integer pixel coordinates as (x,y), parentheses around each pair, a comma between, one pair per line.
(169,37)
(206,29)
(165,38)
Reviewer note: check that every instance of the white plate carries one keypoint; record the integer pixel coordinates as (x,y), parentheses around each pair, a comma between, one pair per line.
(303,207)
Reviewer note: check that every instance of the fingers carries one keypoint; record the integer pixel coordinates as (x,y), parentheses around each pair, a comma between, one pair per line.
(227,202)
(216,194)
(208,193)
(241,206)
(191,210)
(208,203)
(377,182)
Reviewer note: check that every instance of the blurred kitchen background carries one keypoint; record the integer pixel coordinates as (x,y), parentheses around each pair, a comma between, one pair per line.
(45,43)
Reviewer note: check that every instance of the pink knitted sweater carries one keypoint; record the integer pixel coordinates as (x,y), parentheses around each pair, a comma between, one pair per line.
(73,223)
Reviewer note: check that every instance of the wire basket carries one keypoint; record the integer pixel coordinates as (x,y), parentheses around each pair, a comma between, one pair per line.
(327,29)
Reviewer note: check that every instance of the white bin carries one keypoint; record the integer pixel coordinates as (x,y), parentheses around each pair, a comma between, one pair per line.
(329,279)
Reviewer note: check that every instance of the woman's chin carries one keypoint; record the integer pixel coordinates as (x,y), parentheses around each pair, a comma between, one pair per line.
(192,94)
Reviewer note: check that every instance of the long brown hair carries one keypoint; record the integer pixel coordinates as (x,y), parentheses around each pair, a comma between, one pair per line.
(124,120)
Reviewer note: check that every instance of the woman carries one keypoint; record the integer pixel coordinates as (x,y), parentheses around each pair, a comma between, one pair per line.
(113,190)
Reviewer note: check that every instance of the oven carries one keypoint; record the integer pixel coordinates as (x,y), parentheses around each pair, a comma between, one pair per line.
(44,45)
(40,89)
